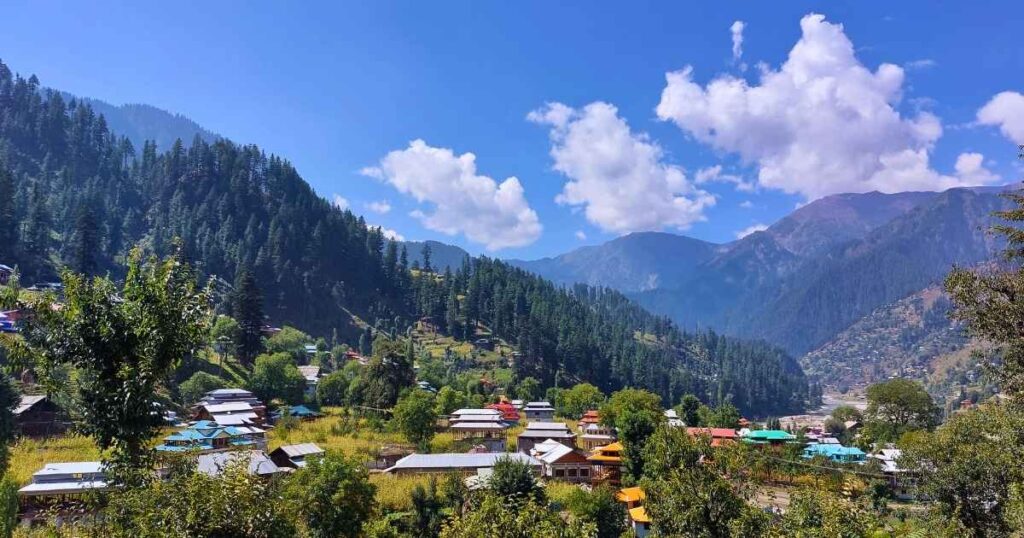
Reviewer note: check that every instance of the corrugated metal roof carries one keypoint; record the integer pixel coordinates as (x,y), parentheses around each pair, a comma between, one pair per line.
(555,454)
(73,467)
(59,488)
(229,407)
(27,402)
(557,426)
(300,450)
(258,462)
(470,411)
(459,461)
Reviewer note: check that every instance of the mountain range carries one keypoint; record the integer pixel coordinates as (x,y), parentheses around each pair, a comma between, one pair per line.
(807,283)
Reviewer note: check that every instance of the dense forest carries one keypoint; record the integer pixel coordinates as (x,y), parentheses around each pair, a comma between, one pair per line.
(75,194)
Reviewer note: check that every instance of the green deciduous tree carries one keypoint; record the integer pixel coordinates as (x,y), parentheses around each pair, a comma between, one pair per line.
(579,399)
(449,399)
(898,406)
(234,504)
(416,417)
(193,389)
(514,480)
(600,508)
(275,377)
(635,414)
(125,343)
(528,389)
(332,496)
(495,516)
(388,373)
(332,388)
(971,466)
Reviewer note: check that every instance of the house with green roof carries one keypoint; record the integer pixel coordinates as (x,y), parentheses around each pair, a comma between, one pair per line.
(768,437)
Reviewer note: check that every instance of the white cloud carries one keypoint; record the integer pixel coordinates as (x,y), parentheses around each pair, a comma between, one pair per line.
(923,63)
(493,214)
(616,175)
(380,207)
(737,39)
(714,173)
(389,233)
(1005,110)
(751,229)
(971,167)
(581,235)
(339,202)
(747,204)
(821,124)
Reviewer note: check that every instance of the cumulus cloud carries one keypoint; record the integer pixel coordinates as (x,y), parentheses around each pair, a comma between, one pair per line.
(714,173)
(737,39)
(1006,111)
(389,234)
(493,214)
(380,207)
(822,123)
(751,229)
(339,202)
(618,176)
(581,235)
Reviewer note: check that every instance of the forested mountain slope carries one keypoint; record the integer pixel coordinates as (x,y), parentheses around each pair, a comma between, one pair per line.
(82,195)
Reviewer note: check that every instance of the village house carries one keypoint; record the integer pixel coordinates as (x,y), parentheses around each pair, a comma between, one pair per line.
(509,412)
(460,463)
(561,462)
(538,432)
(300,412)
(242,405)
(900,479)
(588,418)
(719,436)
(56,491)
(637,516)
(38,416)
(7,323)
(673,419)
(6,272)
(256,463)
(595,435)
(771,438)
(835,453)
(539,411)
(312,375)
(295,456)
(480,426)
(607,464)
(208,436)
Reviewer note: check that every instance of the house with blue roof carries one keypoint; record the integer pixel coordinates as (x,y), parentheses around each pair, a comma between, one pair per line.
(300,412)
(835,453)
(208,436)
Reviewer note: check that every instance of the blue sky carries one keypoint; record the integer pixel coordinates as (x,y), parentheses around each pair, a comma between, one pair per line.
(343,90)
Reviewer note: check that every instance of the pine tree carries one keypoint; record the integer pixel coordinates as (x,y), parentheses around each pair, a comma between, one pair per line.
(85,242)
(8,218)
(247,308)
(425,253)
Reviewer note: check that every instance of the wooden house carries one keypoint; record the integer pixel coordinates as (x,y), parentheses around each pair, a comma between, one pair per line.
(39,416)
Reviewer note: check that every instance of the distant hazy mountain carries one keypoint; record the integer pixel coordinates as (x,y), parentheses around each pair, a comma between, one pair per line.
(442,255)
(144,122)
(635,262)
(807,277)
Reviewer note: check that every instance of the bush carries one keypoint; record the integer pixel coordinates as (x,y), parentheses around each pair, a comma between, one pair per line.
(332,388)
(193,389)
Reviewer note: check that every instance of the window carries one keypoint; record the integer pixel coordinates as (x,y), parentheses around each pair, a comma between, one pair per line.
(584,472)
(559,472)
(572,473)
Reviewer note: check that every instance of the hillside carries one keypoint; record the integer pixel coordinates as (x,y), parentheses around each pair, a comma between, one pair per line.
(83,195)
(634,262)
(902,338)
(141,123)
